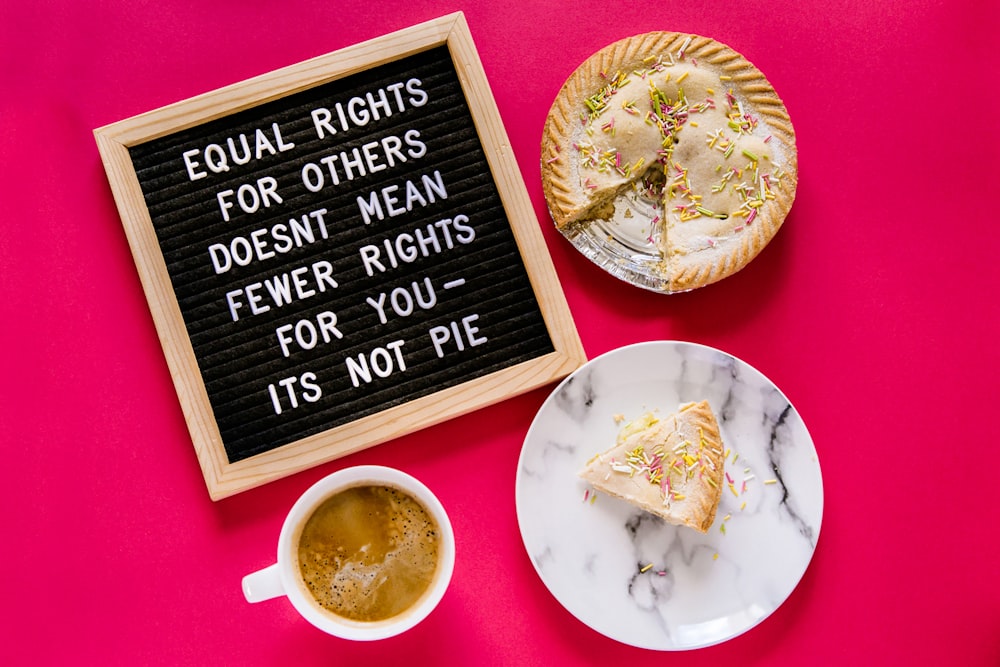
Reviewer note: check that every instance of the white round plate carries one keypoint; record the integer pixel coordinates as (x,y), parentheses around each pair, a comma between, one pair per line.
(628,574)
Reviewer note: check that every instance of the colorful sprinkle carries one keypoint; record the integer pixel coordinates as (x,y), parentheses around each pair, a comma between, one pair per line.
(680,51)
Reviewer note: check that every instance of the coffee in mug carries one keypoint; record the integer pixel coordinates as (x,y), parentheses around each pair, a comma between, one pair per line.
(368,552)
(365,553)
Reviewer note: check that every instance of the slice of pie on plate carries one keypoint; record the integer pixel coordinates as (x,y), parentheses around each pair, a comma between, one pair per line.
(669,466)
(678,145)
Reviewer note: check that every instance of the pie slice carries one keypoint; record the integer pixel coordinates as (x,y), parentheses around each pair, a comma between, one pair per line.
(689,126)
(671,467)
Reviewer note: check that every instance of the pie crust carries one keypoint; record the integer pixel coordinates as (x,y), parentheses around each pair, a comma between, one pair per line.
(693,132)
(672,467)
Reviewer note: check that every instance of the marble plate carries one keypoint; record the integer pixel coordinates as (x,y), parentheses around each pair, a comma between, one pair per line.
(630,575)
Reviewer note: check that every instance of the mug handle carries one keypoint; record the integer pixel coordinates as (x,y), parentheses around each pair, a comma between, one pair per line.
(263,584)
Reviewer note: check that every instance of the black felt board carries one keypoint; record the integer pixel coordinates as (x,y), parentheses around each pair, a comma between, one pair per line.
(239,360)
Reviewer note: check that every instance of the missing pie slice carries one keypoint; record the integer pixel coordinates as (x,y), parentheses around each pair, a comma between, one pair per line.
(687,125)
(668,466)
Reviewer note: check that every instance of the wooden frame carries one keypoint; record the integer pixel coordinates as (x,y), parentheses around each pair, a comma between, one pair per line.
(224,478)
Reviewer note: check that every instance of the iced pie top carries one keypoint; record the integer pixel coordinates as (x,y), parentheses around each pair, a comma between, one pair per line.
(686,122)
(671,467)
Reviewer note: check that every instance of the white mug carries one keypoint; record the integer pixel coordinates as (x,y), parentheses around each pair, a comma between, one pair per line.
(283,578)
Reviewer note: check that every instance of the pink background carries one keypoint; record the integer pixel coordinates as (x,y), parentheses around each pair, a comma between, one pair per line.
(874,310)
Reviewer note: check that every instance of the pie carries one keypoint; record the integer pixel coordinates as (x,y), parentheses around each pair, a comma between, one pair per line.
(672,467)
(687,125)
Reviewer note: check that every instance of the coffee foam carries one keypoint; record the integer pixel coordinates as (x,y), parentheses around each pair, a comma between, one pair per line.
(368,553)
